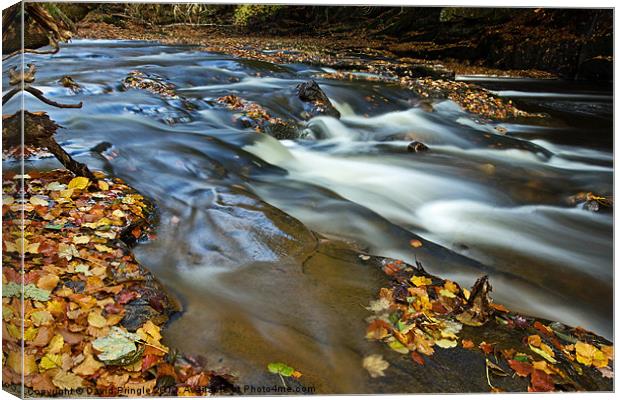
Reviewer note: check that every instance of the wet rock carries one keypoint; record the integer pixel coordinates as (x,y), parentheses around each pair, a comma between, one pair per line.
(416,147)
(137,313)
(282,130)
(101,147)
(598,68)
(69,83)
(422,70)
(311,92)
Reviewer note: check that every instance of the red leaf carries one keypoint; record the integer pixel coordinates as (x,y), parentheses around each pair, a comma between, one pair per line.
(149,360)
(486,347)
(521,368)
(541,382)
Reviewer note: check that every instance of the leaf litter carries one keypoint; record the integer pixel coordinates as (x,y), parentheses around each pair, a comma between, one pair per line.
(81,289)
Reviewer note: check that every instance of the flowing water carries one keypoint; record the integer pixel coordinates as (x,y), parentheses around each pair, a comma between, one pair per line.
(259,237)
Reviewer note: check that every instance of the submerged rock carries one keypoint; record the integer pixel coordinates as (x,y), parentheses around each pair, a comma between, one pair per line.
(416,147)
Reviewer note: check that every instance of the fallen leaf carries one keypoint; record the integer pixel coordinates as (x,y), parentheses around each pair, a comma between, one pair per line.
(421,281)
(417,357)
(116,345)
(67,380)
(541,382)
(79,182)
(415,243)
(521,368)
(375,365)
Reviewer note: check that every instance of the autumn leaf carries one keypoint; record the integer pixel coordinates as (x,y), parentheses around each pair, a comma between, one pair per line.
(467,344)
(95,319)
(88,367)
(378,329)
(541,382)
(588,354)
(116,345)
(67,380)
(38,201)
(50,361)
(415,243)
(79,182)
(445,343)
(375,365)
(421,281)
(521,368)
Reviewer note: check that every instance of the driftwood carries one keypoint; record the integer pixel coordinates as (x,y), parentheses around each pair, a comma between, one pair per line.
(38,131)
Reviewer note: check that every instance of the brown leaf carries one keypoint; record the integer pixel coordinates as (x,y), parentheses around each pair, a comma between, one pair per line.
(541,382)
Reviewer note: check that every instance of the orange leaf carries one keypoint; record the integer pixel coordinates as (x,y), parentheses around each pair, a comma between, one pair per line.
(521,368)
(417,357)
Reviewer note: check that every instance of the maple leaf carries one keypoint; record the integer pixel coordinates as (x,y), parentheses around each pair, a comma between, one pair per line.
(375,365)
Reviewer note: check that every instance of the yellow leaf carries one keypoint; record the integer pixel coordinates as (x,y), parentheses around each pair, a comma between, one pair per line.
(543,354)
(50,361)
(30,333)
(43,317)
(96,320)
(79,183)
(421,280)
(81,239)
(447,293)
(56,344)
(104,249)
(66,193)
(103,185)
(585,353)
(445,343)
(38,201)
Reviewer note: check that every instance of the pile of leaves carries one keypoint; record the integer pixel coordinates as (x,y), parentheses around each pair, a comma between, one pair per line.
(253,115)
(92,315)
(471,98)
(153,83)
(419,313)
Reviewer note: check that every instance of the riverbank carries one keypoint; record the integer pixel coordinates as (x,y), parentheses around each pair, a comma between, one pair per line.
(93,314)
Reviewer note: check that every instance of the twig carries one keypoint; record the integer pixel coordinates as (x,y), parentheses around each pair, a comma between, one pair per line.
(39,95)
(194,24)
(10,94)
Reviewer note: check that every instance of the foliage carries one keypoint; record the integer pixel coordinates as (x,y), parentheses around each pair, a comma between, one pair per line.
(250,15)
(81,283)
(419,313)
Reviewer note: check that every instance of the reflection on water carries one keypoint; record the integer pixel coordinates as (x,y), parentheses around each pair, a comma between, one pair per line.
(244,218)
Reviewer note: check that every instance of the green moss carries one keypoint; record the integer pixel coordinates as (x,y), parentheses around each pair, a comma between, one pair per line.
(255,14)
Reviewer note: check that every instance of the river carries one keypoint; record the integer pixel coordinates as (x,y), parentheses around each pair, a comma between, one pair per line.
(250,227)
